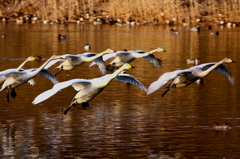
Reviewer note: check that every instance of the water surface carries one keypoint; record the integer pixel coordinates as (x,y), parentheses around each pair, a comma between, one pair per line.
(122,121)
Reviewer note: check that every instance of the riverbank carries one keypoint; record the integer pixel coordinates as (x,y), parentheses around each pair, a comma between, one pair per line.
(171,12)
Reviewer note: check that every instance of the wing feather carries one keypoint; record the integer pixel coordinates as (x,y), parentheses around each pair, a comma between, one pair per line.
(151,58)
(130,79)
(57,87)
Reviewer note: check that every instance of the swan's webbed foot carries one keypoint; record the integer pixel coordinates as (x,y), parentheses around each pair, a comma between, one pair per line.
(13,93)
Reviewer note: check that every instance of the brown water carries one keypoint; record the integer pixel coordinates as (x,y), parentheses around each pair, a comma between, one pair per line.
(122,121)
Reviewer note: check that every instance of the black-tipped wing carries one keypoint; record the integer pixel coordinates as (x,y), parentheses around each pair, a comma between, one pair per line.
(221,68)
(130,79)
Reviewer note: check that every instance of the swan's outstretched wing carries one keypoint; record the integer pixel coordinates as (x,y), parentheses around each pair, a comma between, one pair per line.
(105,58)
(57,87)
(163,79)
(130,79)
(140,51)
(12,70)
(49,75)
(151,58)
(45,73)
(99,61)
(221,68)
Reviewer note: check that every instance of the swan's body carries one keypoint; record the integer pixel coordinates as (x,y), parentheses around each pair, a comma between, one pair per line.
(69,62)
(122,57)
(88,89)
(183,78)
(17,78)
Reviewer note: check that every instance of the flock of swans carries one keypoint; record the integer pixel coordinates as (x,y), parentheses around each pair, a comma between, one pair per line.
(87,89)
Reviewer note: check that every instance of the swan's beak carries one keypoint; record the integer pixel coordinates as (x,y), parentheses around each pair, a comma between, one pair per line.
(162,50)
(233,62)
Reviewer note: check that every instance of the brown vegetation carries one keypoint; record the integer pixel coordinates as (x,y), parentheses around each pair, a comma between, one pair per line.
(145,12)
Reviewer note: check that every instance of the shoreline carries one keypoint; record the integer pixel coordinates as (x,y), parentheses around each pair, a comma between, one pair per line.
(131,12)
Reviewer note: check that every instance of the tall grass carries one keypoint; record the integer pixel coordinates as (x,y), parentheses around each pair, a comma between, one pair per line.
(173,11)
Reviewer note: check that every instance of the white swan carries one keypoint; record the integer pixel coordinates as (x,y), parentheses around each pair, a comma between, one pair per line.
(88,89)
(17,78)
(183,78)
(4,73)
(122,57)
(70,62)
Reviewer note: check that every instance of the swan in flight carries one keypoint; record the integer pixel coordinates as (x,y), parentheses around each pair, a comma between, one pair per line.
(88,89)
(15,79)
(69,62)
(122,57)
(183,78)
(6,72)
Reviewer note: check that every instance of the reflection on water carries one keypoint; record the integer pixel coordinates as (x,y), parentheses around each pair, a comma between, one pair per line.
(121,121)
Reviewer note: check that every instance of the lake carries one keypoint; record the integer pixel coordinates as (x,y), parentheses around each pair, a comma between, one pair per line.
(122,121)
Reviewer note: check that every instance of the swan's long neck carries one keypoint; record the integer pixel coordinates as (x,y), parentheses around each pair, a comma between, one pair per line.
(35,72)
(95,57)
(206,72)
(109,77)
(21,66)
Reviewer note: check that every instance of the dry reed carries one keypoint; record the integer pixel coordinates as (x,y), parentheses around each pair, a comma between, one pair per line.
(164,11)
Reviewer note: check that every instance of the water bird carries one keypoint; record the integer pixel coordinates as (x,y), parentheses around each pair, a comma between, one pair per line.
(69,61)
(122,57)
(87,47)
(215,33)
(88,89)
(173,31)
(4,74)
(4,35)
(197,29)
(62,37)
(221,126)
(18,78)
(183,78)
(194,61)
(209,27)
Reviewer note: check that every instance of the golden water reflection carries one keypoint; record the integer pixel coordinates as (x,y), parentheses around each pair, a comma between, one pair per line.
(122,121)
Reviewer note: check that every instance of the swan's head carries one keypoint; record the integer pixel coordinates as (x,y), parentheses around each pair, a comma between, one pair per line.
(228,60)
(108,51)
(160,50)
(127,66)
(31,58)
(55,57)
